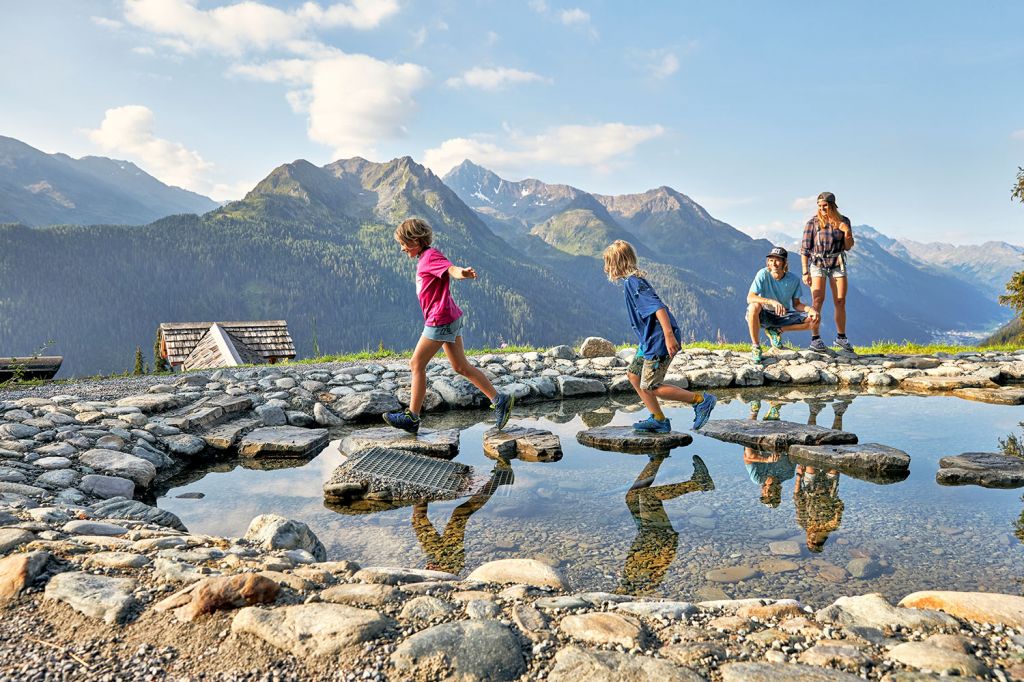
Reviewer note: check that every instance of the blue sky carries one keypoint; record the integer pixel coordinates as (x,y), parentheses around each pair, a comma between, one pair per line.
(911,112)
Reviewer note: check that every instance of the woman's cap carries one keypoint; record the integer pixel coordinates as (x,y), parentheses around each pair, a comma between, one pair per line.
(778,252)
(827,196)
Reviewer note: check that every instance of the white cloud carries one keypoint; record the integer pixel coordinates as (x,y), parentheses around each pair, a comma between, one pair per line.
(104,22)
(664,65)
(144,50)
(538,6)
(805,203)
(234,29)
(574,16)
(1017,134)
(352,101)
(231,191)
(494,79)
(569,145)
(129,131)
(419,37)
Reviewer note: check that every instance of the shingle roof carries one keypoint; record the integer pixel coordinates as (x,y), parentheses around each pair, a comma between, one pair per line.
(269,339)
(218,348)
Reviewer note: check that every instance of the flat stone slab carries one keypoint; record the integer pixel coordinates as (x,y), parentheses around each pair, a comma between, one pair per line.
(137,470)
(443,444)
(986,469)
(625,439)
(521,442)
(981,607)
(774,435)
(282,441)
(224,436)
(996,396)
(928,383)
(863,460)
(520,572)
(97,596)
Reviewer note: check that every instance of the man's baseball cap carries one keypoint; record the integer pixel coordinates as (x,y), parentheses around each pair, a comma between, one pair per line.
(778,252)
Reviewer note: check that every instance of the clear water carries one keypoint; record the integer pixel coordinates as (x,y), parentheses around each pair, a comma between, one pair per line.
(664,538)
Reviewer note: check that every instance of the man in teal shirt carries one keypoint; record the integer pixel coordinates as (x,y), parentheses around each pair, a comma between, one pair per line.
(774,303)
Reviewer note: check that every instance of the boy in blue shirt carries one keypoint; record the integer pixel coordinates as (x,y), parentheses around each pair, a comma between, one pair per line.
(774,303)
(658,333)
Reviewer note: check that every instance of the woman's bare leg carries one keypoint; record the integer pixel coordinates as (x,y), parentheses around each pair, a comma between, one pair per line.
(839,286)
(817,301)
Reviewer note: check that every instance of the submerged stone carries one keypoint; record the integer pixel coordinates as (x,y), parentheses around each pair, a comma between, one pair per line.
(981,607)
(443,444)
(774,435)
(871,460)
(625,439)
(520,442)
(985,469)
(996,396)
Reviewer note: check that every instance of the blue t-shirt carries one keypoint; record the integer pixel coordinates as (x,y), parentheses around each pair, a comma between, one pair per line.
(642,302)
(782,290)
(783,470)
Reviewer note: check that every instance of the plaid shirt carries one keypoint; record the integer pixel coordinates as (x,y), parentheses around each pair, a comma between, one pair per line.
(823,248)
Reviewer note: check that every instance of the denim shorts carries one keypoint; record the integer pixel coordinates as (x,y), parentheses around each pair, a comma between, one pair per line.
(770,319)
(837,271)
(446,333)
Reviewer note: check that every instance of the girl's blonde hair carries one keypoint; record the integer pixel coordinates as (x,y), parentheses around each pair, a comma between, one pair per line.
(620,261)
(832,215)
(415,231)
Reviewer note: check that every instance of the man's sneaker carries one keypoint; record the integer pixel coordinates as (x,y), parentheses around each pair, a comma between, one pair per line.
(502,407)
(818,346)
(702,410)
(403,420)
(773,414)
(774,337)
(844,344)
(701,475)
(756,356)
(652,425)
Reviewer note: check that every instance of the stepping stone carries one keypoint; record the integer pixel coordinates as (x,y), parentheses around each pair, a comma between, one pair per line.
(520,442)
(387,474)
(443,444)
(928,384)
(986,469)
(870,461)
(996,396)
(774,435)
(282,441)
(625,439)
(224,436)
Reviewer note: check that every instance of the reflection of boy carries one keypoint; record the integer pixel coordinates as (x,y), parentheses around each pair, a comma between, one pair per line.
(768,470)
(654,547)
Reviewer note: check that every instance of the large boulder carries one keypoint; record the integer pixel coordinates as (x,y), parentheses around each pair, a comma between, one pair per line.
(596,347)
(367,405)
(274,532)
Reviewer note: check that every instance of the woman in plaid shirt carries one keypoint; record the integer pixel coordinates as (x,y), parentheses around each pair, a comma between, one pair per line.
(827,238)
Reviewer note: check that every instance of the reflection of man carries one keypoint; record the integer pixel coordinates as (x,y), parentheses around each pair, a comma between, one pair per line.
(768,470)
(654,547)
(447,552)
(819,511)
(774,303)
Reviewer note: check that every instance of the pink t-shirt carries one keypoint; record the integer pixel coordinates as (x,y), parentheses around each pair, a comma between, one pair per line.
(432,281)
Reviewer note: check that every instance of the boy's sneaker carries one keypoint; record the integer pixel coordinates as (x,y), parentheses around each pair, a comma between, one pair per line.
(756,356)
(818,346)
(702,410)
(844,344)
(652,425)
(773,414)
(701,475)
(502,407)
(403,420)
(774,337)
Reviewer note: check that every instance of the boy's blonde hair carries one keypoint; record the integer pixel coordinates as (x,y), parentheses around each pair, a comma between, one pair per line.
(415,231)
(620,261)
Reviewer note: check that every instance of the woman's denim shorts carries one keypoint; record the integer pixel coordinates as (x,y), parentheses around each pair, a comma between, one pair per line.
(446,333)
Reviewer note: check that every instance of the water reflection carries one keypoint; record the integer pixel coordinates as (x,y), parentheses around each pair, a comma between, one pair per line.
(656,541)
(819,511)
(768,470)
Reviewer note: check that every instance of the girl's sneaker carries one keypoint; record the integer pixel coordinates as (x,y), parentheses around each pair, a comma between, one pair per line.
(702,410)
(403,420)
(502,407)
(652,425)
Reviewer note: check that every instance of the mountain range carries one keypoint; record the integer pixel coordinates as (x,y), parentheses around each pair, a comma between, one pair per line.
(313,245)
(37,188)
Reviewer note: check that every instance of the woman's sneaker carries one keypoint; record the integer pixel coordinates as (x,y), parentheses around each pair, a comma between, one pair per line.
(844,344)
(403,420)
(818,346)
(652,425)
(502,407)
(702,410)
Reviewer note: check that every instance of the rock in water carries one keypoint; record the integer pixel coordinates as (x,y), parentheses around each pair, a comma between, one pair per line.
(865,459)
(987,469)
(519,442)
(443,444)
(625,439)
(520,572)
(121,508)
(271,531)
(774,435)
(282,441)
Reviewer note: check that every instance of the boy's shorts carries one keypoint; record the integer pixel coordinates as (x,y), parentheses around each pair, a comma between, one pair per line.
(446,333)
(651,372)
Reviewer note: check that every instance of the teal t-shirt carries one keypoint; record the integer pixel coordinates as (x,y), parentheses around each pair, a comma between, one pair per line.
(782,290)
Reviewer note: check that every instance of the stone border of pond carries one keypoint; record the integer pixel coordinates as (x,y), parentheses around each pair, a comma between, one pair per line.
(79,552)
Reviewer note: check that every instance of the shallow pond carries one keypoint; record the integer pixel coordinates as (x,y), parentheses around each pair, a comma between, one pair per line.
(669,537)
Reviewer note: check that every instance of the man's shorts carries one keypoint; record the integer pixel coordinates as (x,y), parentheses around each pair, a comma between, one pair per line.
(446,333)
(838,271)
(651,372)
(792,317)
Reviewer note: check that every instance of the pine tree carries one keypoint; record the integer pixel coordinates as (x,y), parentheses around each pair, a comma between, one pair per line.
(1014,296)
(139,369)
(159,361)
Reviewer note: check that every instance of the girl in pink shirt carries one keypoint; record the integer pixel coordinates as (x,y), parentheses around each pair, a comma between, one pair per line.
(442,326)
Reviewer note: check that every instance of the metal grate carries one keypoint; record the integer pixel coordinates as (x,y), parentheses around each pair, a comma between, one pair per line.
(410,468)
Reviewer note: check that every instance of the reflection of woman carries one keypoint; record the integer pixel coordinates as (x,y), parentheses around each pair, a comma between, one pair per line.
(827,237)
(819,511)
(654,547)
(447,552)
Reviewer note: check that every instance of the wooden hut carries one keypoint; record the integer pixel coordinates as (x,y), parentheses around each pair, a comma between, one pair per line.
(204,345)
